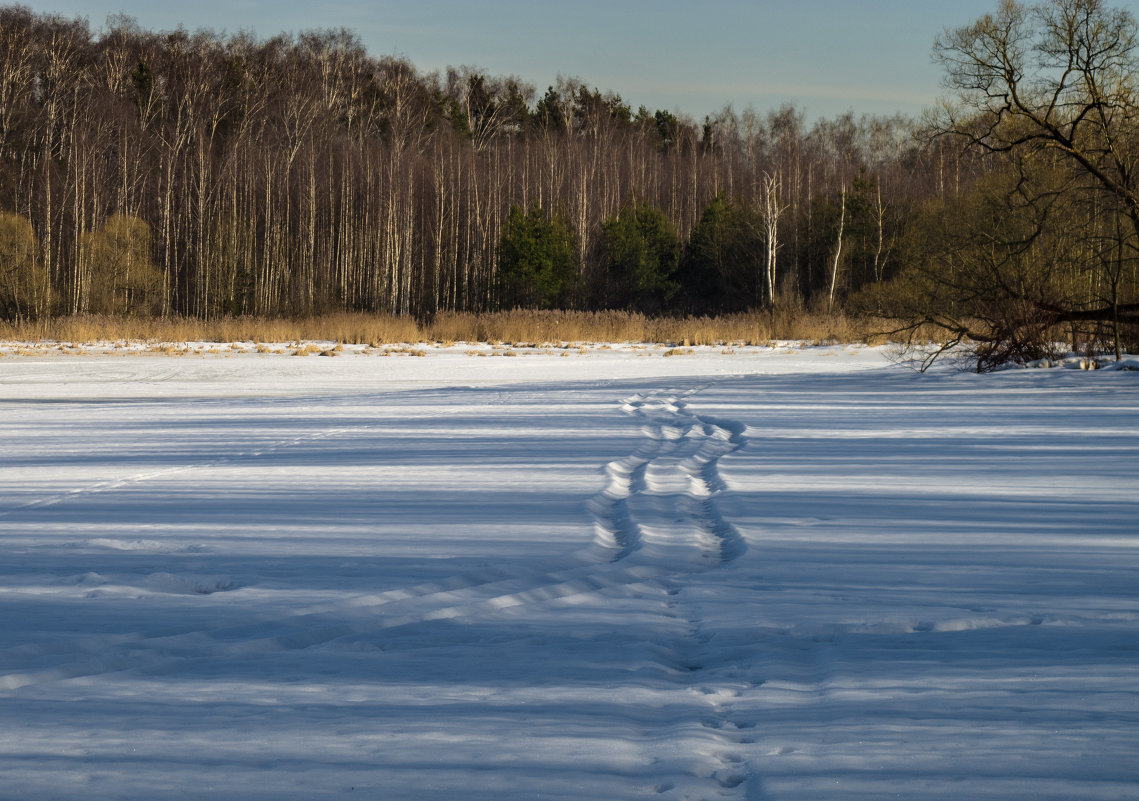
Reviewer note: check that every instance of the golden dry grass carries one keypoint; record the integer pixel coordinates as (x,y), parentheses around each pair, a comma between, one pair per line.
(347,328)
(533,328)
(521,328)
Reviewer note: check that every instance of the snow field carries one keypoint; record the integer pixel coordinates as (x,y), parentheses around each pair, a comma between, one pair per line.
(773,574)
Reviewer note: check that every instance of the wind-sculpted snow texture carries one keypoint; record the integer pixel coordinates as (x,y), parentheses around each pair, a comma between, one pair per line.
(760,576)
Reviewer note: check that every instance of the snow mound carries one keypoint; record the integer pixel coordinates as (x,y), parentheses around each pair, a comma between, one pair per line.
(186,585)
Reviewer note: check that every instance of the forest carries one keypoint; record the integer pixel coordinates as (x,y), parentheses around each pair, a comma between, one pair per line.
(205,175)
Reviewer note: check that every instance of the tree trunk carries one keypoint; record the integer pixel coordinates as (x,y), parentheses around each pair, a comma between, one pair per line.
(837,247)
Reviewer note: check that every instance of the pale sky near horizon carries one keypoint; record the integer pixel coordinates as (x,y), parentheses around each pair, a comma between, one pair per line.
(825,56)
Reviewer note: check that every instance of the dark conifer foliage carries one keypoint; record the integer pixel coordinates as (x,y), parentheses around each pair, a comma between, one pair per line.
(720,270)
(640,256)
(537,261)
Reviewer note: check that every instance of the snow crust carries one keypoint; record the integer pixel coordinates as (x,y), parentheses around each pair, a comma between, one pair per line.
(766,574)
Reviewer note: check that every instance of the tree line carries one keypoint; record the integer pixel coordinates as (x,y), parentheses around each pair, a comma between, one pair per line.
(298,174)
(205,175)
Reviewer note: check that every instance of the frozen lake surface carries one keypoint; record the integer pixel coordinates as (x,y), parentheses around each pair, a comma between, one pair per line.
(766,575)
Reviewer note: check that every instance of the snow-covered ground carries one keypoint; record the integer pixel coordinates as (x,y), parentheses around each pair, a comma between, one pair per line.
(768,574)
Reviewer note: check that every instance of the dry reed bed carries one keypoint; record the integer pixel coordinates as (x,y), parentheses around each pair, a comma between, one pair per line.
(535,327)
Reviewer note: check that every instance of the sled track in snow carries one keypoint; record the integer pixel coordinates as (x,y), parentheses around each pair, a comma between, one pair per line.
(659,508)
(675,470)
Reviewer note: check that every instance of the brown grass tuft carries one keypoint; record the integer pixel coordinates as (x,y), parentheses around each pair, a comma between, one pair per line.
(520,328)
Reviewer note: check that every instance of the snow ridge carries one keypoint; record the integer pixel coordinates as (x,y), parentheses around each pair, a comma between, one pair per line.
(114,484)
(360,618)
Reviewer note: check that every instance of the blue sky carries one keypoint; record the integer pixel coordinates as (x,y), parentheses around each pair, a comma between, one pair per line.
(826,56)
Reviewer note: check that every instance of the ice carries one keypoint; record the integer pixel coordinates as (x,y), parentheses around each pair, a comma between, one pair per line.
(779,573)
